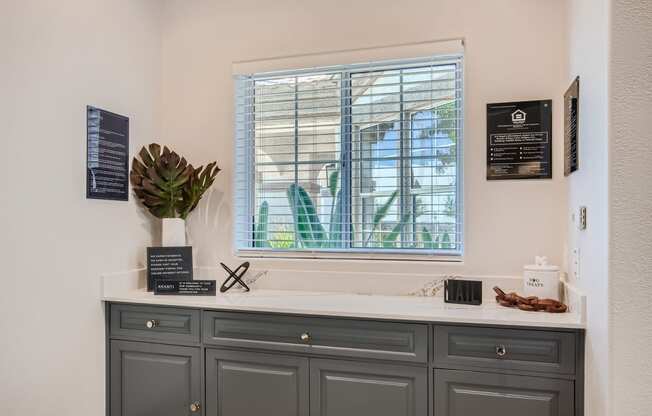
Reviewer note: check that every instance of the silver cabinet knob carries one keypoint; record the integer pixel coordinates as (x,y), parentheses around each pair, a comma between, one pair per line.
(195,407)
(501,350)
(305,337)
(151,323)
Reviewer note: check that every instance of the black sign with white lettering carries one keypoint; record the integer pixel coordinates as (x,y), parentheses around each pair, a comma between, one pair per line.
(187,287)
(168,264)
(571,125)
(519,140)
(107,155)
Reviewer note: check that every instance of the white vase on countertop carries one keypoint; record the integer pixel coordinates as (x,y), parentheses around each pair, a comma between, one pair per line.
(173,232)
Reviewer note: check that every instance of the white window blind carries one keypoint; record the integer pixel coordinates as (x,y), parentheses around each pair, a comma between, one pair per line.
(361,158)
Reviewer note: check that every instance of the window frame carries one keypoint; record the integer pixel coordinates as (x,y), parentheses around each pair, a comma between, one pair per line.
(346,149)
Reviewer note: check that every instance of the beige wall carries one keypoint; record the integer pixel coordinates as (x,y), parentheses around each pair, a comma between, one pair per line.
(588,58)
(55,58)
(514,51)
(167,65)
(630,207)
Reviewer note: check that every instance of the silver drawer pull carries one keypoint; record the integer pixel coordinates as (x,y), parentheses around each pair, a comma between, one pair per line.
(305,337)
(151,323)
(195,407)
(501,350)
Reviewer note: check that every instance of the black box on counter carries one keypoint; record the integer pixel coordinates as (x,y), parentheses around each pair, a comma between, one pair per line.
(465,292)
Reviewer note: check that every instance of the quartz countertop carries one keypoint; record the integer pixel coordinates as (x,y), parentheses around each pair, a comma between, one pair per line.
(395,308)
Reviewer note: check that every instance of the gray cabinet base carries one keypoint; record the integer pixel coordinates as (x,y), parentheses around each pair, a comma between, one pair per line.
(243,383)
(164,359)
(367,389)
(153,380)
(470,393)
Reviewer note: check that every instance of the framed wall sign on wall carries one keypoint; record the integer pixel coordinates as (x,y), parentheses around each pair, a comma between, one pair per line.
(519,140)
(107,155)
(571,127)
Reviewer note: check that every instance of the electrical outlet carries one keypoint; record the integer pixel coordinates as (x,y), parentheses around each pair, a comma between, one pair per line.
(575,263)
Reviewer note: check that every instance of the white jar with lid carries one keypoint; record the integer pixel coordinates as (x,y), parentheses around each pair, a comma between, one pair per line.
(541,279)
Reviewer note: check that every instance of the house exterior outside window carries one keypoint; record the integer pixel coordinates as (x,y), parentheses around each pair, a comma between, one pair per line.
(351,160)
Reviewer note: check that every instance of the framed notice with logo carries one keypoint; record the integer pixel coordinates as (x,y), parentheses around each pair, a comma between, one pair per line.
(168,264)
(571,124)
(107,155)
(519,140)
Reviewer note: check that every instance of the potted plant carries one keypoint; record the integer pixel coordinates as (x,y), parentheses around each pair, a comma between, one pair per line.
(169,188)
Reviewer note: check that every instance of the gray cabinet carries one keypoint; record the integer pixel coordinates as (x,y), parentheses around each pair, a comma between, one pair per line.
(324,336)
(470,393)
(165,360)
(341,388)
(153,380)
(155,323)
(243,383)
(477,348)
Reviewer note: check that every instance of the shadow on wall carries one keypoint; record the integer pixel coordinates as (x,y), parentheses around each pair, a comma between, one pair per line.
(150,226)
(207,225)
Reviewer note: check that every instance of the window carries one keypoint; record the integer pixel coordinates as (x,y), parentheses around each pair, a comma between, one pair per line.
(351,159)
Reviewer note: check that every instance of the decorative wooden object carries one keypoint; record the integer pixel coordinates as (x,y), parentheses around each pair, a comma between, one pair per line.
(531,303)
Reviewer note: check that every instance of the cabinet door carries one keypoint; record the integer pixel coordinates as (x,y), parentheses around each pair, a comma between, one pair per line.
(245,384)
(154,380)
(469,393)
(341,388)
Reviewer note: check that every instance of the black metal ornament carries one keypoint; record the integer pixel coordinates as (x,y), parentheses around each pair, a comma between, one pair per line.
(235,277)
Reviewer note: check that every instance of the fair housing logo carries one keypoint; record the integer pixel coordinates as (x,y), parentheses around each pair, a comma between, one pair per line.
(518,117)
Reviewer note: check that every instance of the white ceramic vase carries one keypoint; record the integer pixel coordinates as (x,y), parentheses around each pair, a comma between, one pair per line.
(173,232)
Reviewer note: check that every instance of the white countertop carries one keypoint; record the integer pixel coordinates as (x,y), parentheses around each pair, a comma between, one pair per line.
(397,308)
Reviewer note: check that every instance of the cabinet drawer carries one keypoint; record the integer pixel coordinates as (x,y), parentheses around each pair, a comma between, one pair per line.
(337,337)
(464,393)
(155,323)
(505,349)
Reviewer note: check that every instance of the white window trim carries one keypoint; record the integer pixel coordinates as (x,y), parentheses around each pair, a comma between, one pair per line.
(453,48)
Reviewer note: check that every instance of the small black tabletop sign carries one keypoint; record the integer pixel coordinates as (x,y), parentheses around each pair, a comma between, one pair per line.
(107,155)
(519,140)
(185,287)
(168,264)
(571,124)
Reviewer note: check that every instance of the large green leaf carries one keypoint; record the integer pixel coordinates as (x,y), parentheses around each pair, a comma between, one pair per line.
(166,184)
(194,187)
(446,241)
(332,182)
(308,229)
(335,235)
(428,241)
(382,210)
(260,236)
(389,240)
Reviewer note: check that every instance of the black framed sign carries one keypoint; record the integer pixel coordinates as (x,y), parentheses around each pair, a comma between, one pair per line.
(168,264)
(571,125)
(107,155)
(519,140)
(185,287)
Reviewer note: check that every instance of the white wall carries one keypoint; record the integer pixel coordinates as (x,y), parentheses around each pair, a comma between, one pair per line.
(514,52)
(588,58)
(55,58)
(630,206)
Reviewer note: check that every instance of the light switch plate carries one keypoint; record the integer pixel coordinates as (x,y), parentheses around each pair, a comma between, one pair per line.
(582,219)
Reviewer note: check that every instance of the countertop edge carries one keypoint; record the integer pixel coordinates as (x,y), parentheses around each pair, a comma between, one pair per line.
(197,304)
